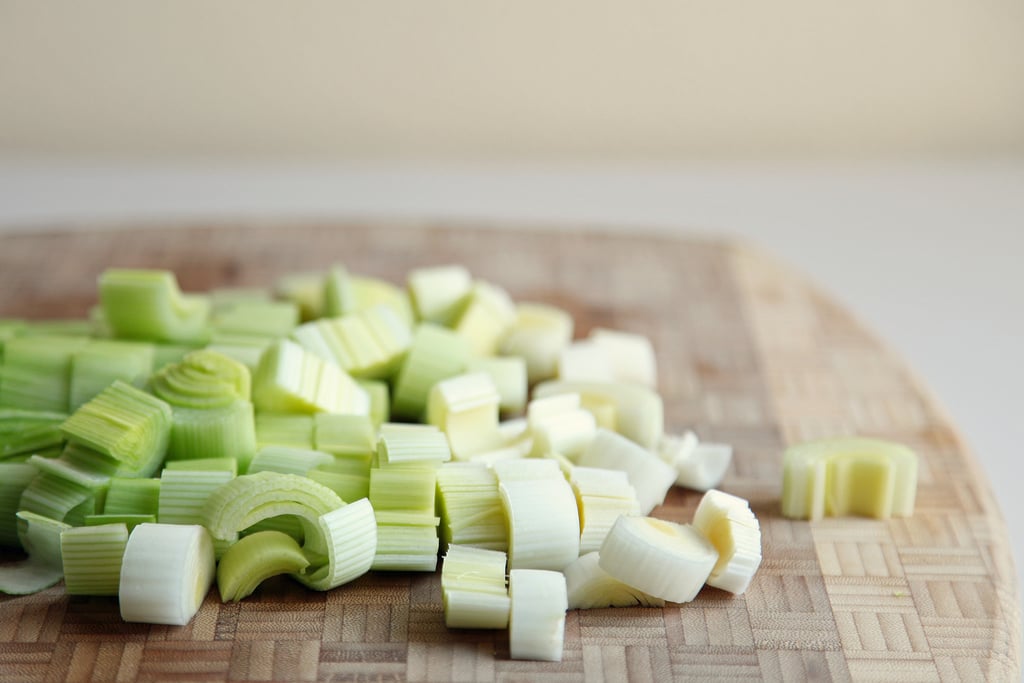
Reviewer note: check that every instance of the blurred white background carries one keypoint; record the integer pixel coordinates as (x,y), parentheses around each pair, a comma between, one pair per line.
(877,146)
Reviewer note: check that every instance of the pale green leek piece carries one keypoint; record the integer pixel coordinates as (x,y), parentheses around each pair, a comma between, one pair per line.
(290,379)
(100,362)
(632,410)
(284,429)
(465,408)
(124,423)
(349,537)
(288,460)
(24,432)
(436,353)
(438,293)
(147,304)
(40,538)
(473,589)
(92,558)
(224,432)
(849,476)
(470,508)
(487,315)
(254,559)
(132,496)
(36,372)
(539,334)
(203,379)
(14,478)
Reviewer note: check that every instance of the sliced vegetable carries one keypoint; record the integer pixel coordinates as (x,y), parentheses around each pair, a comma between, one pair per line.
(536,624)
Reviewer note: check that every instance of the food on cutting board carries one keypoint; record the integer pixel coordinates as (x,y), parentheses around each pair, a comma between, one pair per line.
(338,424)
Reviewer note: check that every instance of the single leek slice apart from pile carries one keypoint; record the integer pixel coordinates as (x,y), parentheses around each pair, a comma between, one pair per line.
(667,560)
(650,476)
(849,476)
(123,423)
(166,572)
(473,588)
(147,304)
(536,624)
(92,557)
(731,526)
(591,587)
(699,466)
(254,559)
(543,519)
(40,537)
(539,334)
(438,293)
(290,379)
(465,408)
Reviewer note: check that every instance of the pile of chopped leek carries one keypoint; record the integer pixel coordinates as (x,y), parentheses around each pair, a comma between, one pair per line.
(339,424)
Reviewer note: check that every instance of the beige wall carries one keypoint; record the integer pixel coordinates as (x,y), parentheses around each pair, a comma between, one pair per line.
(517,79)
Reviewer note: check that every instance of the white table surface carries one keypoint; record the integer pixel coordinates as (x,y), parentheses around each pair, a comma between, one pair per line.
(928,256)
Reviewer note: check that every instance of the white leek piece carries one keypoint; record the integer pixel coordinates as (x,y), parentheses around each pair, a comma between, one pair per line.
(473,588)
(536,625)
(166,572)
(539,334)
(667,560)
(254,559)
(147,304)
(406,541)
(290,379)
(631,355)
(438,293)
(731,526)
(558,425)
(350,539)
(636,411)
(92,557)
(649,475)
(699,466)
(488,313)
(543,522)
(465,408)
(509,376)
(585,361)
(602,496)
(849,476)
(40,537)
(591,587)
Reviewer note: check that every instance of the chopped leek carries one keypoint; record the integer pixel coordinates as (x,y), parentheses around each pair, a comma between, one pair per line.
(649,475)
(92,558)
(254,559)
(436,353)
(536,624)
(729,524)
(439,293)
(40,537)
(203,379)
(147,304)
(473,589)
(539,334)
(591,587)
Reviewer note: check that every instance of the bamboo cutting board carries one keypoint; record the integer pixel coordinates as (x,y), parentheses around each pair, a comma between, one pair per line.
(749,353)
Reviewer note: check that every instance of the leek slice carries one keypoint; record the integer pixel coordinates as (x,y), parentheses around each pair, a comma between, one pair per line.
(558,425)
(261,320)
(223,432)
(346,436)
(92,557)
(36,373)
(350,536)
(251,498)
(602,496)
(486,316)
(649,475)
(290,379)
(438,293)
(305,290)
(731,526)
(466,408)
(591,587)
(254,559)
(184,494)
(473,590)
(536,624)
(638,411)
(412,445)
(132,496)
(211,464)
(585,361)
(23,432)
(203,379)
(288,460)
(338,293)
(130,521)
(284,429)
(631,355)
(14,479)
(543,522)
(166,572)
(96,366)
(667,560)
(539,334)
(147,304)
(849,476)
(470,507)
(124,423)
(436,353)
(380,399)
(40,537)
(509,376)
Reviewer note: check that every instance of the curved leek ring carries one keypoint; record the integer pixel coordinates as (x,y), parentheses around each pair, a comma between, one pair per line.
(254,559)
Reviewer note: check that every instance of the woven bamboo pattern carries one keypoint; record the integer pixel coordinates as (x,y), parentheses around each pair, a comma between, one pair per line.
(749,353)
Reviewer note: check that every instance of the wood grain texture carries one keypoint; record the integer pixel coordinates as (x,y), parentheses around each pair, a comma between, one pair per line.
(749,353)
